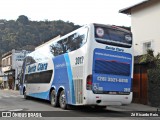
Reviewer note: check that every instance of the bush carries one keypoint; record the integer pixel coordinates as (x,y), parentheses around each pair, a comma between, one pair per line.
(154,85)
(153,65)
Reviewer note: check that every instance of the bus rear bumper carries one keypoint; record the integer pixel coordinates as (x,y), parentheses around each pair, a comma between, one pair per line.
(106,99)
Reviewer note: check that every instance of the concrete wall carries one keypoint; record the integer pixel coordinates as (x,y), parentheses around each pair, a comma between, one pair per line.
(145,20)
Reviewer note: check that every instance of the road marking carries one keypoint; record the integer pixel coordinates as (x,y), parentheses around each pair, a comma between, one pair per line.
(16,110)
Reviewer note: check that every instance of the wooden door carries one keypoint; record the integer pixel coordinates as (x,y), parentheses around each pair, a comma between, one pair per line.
(140,93)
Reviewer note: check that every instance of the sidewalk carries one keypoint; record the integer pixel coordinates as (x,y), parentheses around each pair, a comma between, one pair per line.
(14,92)
(133,107)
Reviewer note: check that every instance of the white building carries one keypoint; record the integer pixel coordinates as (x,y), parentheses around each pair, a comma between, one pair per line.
(11,66)
(145,22)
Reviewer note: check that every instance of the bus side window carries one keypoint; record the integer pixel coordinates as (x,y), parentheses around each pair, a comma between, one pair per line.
(56,48)
(77,40)
(30,60)
(70,43)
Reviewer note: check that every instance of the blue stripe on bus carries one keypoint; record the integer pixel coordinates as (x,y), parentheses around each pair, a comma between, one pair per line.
(70,77)
(63,77)
(42,95)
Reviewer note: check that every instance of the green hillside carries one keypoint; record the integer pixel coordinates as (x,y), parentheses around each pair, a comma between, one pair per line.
(17,34)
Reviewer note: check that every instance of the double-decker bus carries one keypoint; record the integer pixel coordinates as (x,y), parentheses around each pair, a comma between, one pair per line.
(92,65)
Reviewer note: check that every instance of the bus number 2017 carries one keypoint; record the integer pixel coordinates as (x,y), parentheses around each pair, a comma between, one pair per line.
(79,60)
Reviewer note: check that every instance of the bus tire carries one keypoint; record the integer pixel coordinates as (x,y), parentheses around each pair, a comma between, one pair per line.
(62,100)
(53,98)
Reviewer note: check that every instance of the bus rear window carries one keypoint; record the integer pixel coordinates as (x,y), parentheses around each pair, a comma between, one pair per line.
(113,36)
(112,68)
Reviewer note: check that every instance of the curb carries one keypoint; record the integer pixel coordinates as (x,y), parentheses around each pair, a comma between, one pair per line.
(133,107)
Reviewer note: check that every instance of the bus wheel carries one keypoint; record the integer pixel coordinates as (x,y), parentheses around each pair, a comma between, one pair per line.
(62,100)
(53,98)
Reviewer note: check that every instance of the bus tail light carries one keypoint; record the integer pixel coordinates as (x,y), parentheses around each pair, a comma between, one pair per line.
(89,82)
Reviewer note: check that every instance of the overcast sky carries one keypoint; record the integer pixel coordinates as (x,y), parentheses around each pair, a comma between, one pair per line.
(76,11)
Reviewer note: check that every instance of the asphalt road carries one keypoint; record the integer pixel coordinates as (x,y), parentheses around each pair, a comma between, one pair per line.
(12,101)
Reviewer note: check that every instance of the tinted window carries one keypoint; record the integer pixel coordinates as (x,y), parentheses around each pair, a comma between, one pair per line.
(112,67)
(30,60)
(36,57)
(41,77)
(59,47)
(70,43)
(113,36)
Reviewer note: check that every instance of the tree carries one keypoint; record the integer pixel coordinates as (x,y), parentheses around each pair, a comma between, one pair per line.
(153,78)
(23,19)
(149,58)
(23,32)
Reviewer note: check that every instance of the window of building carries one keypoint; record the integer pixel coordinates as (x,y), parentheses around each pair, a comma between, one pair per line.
(10,60)
(7,61)
(3,63)
(146,46)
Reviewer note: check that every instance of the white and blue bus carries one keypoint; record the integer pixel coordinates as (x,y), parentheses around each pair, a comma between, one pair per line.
(92,65)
